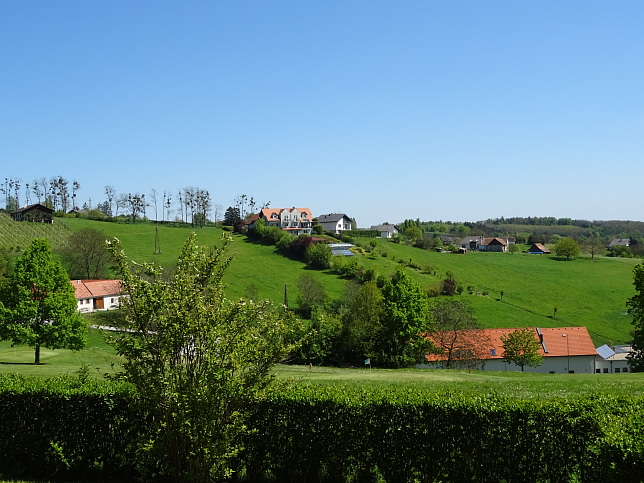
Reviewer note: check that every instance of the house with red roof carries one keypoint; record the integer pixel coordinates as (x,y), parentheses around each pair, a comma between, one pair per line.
(95,295)
(297,221)
(565,350)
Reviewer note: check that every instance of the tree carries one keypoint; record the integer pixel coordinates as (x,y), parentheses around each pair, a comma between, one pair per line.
(636,311)
(311,294)
(38,303)
(413,234)
(594,245)
(522,347)
(231,216)
(566,247)
(455,332)
(362,320)
(405,322)
(86,255)
(318,255)
(196,359)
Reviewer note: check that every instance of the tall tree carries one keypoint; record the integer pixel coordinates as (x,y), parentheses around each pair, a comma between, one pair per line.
(455,331)
(311,294)
(405,322)
(86,255)
(196,359)
(636,311)
(566,247)
(39,307)
(522,347)
(362,320)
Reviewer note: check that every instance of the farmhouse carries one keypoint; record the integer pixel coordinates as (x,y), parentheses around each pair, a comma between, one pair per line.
(386,230)
(297,221)
(95,295)
(565,350)
(36,213)
(486,244)
(612,360)
(335,222)
(538,249)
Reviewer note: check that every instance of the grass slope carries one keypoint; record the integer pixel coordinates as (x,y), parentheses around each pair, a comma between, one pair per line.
(586,292)
(18,235)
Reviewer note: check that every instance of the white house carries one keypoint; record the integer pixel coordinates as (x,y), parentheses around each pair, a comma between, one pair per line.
(386,230)
(565,350)
(612,360)
(297,221)
(95,295)
(335,222)
(489,244)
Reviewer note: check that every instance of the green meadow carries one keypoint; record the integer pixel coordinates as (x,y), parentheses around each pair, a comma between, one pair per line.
(505,290)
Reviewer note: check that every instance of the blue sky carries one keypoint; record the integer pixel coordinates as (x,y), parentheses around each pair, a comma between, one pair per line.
(452,110)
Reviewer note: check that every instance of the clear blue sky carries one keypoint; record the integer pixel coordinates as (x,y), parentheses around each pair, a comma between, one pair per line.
(438,110)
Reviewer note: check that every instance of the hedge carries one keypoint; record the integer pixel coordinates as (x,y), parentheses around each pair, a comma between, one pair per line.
(70,429)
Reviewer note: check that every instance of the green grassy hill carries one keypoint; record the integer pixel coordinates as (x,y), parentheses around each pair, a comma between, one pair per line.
(586,292)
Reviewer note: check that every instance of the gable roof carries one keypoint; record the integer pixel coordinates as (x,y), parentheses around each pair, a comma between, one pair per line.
(86,289)
(538,248)
(576,342)
(388,228)
(620,241)
(36,206)
(332,218)
(268,212)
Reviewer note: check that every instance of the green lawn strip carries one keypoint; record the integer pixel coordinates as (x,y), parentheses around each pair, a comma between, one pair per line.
(512,384)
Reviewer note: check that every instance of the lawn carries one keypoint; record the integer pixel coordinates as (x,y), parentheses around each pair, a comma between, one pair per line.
(97,356)
(519,385)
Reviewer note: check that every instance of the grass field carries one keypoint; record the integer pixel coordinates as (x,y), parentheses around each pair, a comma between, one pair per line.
(586,292)
(100,359)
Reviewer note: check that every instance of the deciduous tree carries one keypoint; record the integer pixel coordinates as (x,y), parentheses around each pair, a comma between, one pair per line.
(196,359)
(86,255)
(566,247)
(405,322)
(39,307)
(636,311)
(455,331)
(522,347)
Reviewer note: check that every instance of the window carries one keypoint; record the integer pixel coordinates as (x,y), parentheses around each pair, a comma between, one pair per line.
(493,352)
(616,369)
(551,372)
(605,370)
(571,372)
(598,371)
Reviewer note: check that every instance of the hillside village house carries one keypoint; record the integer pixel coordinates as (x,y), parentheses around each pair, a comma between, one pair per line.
(335,222)
(486,244)
(35,213)
(565,350)
(538,249)
(386,230)
(612,360)
(297,221)
(96,295)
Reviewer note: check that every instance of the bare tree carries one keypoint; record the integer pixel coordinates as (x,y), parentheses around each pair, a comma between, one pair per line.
(110,192)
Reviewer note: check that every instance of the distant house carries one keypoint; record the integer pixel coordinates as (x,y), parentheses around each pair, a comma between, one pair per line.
(625,242)
(96,295)
(612,360)
(538,249)
(297,221)
(335,222)
(386,230)
(564,350)
(35,213)
(486,244)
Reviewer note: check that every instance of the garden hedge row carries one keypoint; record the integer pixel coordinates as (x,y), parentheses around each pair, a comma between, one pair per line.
(68,429)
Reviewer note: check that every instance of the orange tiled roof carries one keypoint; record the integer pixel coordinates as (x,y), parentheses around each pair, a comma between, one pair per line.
(577,342)
(85,289)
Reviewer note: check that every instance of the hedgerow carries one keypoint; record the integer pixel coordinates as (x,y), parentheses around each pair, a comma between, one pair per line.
(71,429)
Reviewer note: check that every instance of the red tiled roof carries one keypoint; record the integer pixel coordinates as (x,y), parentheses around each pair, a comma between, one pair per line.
(577,342)
(85,289)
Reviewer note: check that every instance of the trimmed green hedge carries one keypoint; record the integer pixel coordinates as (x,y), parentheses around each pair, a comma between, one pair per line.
(55,427)
(332,434)
(69,429)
